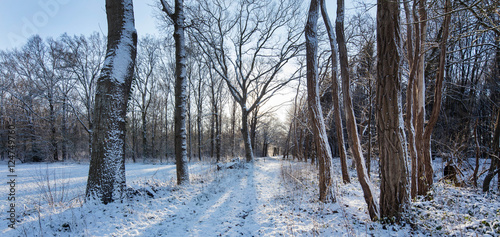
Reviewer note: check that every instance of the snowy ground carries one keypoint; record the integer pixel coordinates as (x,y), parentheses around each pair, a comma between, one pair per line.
(270,198)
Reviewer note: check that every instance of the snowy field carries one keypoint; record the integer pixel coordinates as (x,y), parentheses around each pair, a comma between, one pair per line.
(270,198)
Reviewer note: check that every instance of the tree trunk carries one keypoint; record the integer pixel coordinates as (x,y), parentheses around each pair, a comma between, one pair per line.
(145,151)
(438,95)
(476,166)
(180,95)
(64,143)
(350,117)
(53,133)
(370,115)
(198,118)
(246,134)
(394,196)
(424,183)
(166,124)
(134,137)
(153,137)
(494,158)
(253,125)
(106,181)
(189,126)
(233,129)
(218,139)
(91,127)
(410,127)
(335,95)
(214,116)
(318,126)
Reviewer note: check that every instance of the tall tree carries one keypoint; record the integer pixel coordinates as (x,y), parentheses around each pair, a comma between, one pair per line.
(413,55)
(318,125)
(438,95)
(177,16)
(394,196)
(352,127)
(424,166)
(106,180)
(335,94)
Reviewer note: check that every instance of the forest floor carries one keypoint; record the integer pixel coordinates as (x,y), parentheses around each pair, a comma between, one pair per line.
(272,197)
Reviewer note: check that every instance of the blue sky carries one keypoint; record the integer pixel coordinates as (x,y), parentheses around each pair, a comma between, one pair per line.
(19,19)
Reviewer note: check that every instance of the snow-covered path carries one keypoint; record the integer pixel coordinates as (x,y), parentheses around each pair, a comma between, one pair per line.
(237,203)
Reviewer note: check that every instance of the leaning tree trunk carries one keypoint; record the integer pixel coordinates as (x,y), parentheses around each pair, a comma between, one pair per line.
(394,196)
(335,95)
(322,147)
(357,153)
(180,112)
(106,181)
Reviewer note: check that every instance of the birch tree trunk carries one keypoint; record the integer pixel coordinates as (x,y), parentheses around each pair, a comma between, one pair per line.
(394,196)
(335,94)
(352,129)
(318,126)
(106,181)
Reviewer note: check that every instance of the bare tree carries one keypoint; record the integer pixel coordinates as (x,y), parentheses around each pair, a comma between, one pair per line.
(352,129)
(249,43)
(394,196)
(438,95)
(316,113)
(335,93)
(106,180)
(419,134)
(145,84)
(177,16)
(87,57)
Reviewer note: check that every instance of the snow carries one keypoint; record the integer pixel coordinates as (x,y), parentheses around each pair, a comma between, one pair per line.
(121,62)
(269,197)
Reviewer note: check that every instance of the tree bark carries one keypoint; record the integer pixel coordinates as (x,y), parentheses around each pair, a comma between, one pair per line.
(350,117)
(424,166)
(246,134)
(318,126)
(335,94)
(394,196)
(145,150)
(198,119)
(106,181)
(180,111)
(233,130)
(438,95)
(476,166)
(410,128)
